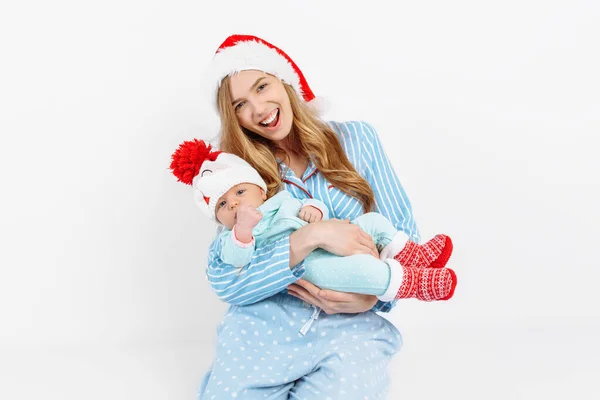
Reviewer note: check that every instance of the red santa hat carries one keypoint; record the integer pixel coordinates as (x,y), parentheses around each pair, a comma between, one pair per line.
(211,173)
(246,52)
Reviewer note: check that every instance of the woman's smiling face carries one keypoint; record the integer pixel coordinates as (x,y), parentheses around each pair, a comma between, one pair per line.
(261,104)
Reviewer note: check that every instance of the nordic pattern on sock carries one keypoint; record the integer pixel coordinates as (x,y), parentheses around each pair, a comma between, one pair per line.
(446,251)
(408,288)
(409,255)
(451,281)
(435,253)
(427,284)
(436,284)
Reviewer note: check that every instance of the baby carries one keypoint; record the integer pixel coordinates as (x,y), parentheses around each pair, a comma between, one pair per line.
(233,194)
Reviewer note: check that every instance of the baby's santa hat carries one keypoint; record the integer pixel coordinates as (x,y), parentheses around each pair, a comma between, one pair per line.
(211,173)
(246,52)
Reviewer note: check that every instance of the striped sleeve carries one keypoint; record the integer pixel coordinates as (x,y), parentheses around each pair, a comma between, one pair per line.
(267,273)
(390,198)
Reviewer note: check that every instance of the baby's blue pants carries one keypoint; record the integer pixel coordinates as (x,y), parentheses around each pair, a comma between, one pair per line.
(261,355)
(360,273)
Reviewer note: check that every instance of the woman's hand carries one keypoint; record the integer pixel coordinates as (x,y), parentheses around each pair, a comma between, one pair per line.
(340,237)
(330,301)
(337,236)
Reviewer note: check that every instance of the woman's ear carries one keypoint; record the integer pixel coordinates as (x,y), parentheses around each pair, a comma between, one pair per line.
(264,194)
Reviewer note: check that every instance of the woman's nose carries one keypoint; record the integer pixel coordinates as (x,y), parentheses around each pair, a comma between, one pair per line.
(258,108)
(262,113)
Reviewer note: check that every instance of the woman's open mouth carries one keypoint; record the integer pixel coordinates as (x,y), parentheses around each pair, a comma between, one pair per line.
(271,120)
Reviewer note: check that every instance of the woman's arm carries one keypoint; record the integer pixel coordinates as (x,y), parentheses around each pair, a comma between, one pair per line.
(337,236)
(390,198)
(269,272)
(275,266)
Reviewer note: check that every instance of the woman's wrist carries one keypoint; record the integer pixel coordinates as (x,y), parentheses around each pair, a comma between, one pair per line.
(303,242)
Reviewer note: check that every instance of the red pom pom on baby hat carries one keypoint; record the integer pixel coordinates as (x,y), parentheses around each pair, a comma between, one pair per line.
(211,173)
(187,160)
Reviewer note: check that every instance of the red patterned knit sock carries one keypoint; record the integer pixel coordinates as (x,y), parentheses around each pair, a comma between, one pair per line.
(427,284)
(434,254)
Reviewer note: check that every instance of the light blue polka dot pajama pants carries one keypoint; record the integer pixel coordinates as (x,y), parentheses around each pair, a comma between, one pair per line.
(261,354)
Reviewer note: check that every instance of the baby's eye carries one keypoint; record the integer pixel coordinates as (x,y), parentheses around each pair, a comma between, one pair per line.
(222,204)
(241,192)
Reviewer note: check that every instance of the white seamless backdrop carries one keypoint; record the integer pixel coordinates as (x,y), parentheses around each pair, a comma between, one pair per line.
(490,113)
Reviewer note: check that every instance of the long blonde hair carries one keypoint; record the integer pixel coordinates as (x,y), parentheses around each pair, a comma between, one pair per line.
(309,137)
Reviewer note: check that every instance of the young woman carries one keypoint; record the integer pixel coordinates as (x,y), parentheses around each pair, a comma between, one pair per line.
(267,119)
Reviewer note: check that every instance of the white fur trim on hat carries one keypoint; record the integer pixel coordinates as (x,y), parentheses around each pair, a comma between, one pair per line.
(245,52)
(250,55)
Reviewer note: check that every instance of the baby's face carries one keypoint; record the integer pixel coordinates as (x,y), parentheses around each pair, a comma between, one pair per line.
(228,204)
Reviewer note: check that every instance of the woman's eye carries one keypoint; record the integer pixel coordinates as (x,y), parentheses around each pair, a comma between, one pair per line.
(261,87)
(239,105)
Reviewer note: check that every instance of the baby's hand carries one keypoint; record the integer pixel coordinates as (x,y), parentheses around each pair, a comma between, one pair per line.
(310,214)
(247,217)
